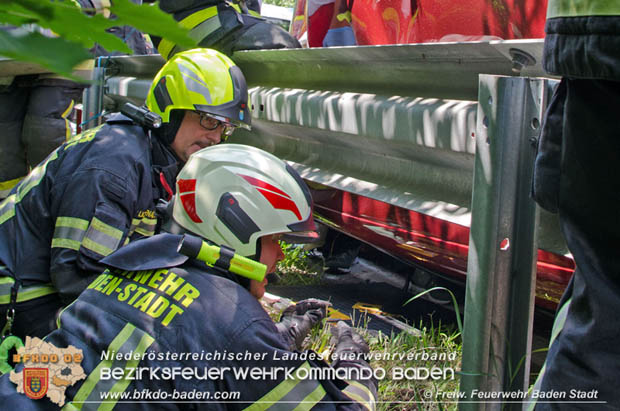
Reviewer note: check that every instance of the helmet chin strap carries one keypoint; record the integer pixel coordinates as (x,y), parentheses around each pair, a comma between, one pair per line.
(168,131)
(169,225)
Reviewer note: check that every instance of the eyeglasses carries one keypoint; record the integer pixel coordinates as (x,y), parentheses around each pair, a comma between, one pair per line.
(209,122)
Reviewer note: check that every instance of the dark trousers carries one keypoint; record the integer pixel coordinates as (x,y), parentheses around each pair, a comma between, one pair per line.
(29,314)
(577,174)
(33,122)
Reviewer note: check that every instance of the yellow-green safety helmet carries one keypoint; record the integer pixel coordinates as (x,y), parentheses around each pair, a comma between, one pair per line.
(201,80)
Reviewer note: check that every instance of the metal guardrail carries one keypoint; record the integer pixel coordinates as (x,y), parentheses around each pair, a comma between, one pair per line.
(499,301)
(408,125)
(409,109)
(435,70)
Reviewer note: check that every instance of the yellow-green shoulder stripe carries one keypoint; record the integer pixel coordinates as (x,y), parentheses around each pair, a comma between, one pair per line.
(578,8)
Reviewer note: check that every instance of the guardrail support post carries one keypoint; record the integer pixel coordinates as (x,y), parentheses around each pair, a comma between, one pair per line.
(93,100)
(499,303)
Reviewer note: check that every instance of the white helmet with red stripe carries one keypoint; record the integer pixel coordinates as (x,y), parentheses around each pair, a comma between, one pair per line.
(233,194)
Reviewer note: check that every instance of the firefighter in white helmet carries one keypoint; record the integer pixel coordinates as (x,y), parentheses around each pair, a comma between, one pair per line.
(192,292)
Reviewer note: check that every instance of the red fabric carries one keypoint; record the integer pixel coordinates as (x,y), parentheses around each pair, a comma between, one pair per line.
(318,24)
(166,186)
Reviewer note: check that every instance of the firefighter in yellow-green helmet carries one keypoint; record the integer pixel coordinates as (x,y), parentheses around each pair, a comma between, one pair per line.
(98,192)
(203,88)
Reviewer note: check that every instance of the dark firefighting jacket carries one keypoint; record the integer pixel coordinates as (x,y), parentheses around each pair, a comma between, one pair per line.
(130,36)
(577,153)
(582,40)
(170,313)
(224,26)
(88,198)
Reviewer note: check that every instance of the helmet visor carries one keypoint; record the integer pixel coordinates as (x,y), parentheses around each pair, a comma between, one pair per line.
(302,232)
(300,237)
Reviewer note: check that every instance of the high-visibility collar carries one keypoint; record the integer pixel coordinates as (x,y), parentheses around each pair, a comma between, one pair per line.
(578,8)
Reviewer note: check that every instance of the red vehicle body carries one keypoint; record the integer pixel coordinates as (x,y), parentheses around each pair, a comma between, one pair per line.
(434,244)
(420,21)
(425,241)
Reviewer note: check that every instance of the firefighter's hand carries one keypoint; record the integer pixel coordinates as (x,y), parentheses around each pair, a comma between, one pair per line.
(297,320)
(349,344)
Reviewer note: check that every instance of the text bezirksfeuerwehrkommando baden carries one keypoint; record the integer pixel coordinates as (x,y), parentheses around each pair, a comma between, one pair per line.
(187,372)
(426,355)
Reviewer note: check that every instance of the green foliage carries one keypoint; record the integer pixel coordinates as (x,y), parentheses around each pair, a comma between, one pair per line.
(454,302)
(77,32)
(415,393)
(298,268)
(404,394)
(35,48)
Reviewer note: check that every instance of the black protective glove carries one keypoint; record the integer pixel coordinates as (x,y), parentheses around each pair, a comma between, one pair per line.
(349,353)
(350,346)
(297,320)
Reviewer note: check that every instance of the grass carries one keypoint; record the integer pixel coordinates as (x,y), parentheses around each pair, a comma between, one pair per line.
(393,394)
(406,393)
(298,268)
